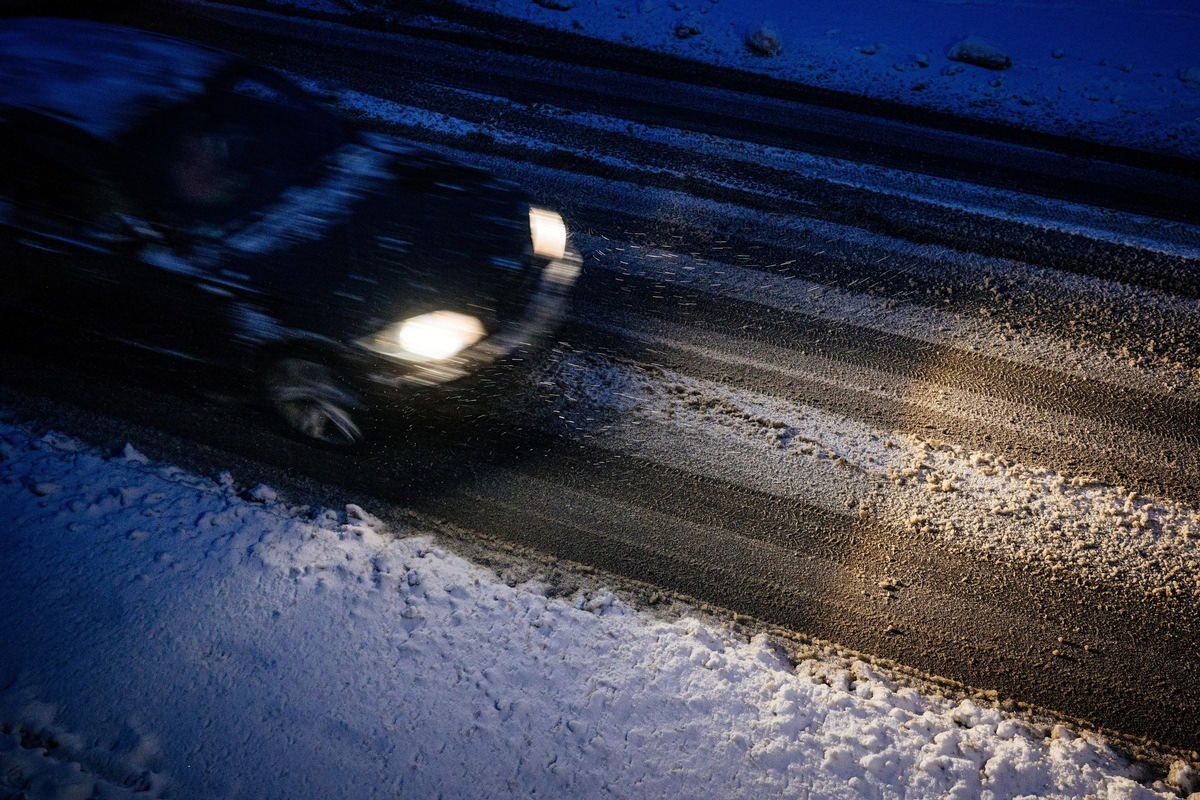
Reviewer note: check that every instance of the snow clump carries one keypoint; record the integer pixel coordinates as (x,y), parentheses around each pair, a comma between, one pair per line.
(1184,779)
(763,40)
(688,28)
(980,53)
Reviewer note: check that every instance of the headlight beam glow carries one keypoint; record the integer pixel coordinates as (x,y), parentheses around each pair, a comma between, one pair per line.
(435,336)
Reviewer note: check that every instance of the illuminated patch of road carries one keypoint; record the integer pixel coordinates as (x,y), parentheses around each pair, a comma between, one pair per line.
(975,501)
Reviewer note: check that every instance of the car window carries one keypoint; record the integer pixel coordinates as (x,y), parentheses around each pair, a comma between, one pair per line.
(235,148)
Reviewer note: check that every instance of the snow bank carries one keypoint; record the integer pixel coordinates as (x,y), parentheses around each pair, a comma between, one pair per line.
(1105,70)
(168,633)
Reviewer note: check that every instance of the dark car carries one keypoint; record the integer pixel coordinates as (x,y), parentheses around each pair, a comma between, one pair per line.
(176,197)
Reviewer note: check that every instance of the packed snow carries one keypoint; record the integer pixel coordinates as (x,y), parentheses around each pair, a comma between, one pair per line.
(170,634)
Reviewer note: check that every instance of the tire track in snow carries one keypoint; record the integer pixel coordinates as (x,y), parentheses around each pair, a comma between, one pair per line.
(934,380)
(865,302)
(748,340)
(1092,242)
(1147,459)
(1061,526)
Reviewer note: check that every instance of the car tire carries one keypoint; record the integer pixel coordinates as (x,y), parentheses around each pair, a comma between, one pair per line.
(312,403)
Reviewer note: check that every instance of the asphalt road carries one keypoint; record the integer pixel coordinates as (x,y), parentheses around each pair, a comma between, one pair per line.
(770,380)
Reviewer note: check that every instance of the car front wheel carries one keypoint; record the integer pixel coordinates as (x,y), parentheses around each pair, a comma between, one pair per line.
(312,403)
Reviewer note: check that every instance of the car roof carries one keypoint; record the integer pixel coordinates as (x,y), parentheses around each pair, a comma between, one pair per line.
(100,78)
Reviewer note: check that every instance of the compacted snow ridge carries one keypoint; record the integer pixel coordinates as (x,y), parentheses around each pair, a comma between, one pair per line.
(174,635)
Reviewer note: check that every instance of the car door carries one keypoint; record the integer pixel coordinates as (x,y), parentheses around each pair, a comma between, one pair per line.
(182,297)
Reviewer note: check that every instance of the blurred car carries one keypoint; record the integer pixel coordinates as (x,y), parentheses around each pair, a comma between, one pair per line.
(176,197)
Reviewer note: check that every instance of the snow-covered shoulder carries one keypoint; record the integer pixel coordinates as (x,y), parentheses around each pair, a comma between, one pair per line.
(1102,70)
(1115,72)
(172,634)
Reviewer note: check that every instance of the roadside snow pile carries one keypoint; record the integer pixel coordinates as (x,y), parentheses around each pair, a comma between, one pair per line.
(980,53)
(763,40)
(168,633)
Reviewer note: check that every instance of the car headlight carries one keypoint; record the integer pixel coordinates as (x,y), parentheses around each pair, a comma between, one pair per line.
(435,336)
(548,232)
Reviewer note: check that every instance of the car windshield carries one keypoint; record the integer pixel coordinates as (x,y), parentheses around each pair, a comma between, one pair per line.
(234,148)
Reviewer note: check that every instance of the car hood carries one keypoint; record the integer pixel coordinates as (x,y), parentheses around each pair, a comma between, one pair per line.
(388,231)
